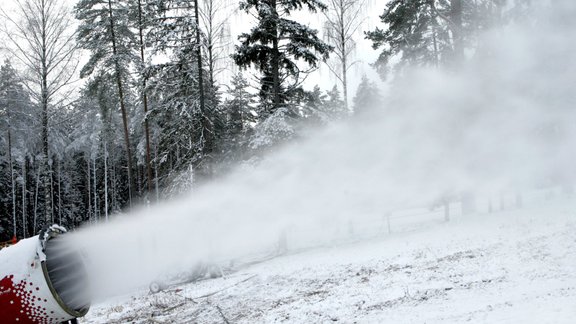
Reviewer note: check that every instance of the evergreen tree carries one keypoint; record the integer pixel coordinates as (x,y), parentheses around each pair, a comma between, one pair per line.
(240,106)
(235,118)
(177,33)
(431,32)
(313,103)
(274,45)
(414,32)
(367,97)
(175,92)
(99,101)
(105,32)
(142,15)
(334,106)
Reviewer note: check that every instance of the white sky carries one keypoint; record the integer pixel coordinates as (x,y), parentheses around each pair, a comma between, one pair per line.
(365,54)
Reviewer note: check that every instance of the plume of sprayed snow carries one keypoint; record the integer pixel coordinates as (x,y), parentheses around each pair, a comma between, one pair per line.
(505,121)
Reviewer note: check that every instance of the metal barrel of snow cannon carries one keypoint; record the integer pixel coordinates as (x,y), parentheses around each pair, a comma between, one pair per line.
(43,280)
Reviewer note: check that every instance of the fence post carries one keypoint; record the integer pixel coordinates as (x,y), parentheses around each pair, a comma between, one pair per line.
(350,228)
(468,201)
(283,242)
(519,200)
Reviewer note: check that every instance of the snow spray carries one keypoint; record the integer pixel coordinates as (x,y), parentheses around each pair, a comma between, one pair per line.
(503,123)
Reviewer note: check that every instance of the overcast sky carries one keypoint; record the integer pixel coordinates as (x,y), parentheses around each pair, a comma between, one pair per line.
(365,54)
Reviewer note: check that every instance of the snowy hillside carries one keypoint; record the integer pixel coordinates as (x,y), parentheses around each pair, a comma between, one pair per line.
(515,266)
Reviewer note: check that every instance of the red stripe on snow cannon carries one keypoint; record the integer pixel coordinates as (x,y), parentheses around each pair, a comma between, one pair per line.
(43,280)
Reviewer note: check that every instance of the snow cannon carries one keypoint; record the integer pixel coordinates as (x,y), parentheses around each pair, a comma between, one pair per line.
(43,280)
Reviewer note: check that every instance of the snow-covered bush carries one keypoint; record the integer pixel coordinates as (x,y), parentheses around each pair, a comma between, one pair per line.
(275,129)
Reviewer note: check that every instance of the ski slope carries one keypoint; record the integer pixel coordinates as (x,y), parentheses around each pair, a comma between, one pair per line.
(512,266)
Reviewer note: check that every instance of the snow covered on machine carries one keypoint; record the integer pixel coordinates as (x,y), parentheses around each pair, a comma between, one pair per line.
(43,280)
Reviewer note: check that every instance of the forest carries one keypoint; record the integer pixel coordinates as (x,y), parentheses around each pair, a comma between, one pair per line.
(106,105)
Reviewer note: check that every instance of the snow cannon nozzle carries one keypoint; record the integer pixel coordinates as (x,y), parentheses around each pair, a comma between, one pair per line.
(50,232)
(43,279)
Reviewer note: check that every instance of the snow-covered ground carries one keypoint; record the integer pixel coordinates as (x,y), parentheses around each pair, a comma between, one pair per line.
(515,266)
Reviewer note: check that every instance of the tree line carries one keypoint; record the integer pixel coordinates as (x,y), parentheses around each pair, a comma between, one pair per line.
(117,102)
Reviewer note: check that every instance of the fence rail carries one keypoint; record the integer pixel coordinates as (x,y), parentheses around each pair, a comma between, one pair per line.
(298,237)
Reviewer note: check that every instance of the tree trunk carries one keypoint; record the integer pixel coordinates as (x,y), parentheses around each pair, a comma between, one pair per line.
(435,44)
(206,129)
(344,57)
(44,107)
(145,99)
(211,66)
(46,162)
(114,179)
(137,181)
(210,39)
(519,200)
(51,195)
(275,59)
(34,227)
(457,32)
(156,171)
(12,180)
(105,181)
(89,178)
(468,201)
(60,192)
(95,191)
(112,187)
(122,102)
(345,82)
(24,199)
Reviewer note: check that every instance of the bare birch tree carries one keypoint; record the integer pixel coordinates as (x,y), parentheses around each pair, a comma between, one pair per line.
(214,18)
(343,21)
(41,39)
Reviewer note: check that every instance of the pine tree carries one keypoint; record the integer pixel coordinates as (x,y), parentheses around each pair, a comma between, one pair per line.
(275,44)
(175,91)
(235,119)
(334,106)
(100,100)
(414,32)
(367,97)
(178,34)
(431,32)
(105,32)
(142,15)
(240,106)
(312,103)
